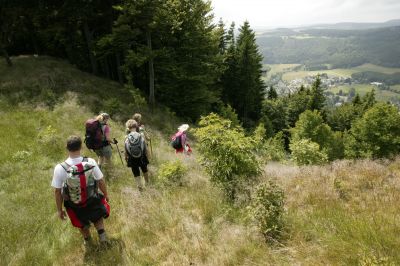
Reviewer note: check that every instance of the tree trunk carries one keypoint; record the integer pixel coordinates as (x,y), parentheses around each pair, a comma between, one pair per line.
(151,72)
(118,61)
(88,36)
(6,56)
(107,67)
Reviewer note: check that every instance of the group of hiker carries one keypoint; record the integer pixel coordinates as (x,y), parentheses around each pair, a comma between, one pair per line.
(78,179)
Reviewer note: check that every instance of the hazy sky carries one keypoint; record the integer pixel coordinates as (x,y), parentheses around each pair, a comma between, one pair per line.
(277,13)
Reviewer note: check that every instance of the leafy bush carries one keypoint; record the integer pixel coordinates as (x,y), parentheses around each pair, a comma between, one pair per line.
(305,152)
(172,172)
(227,112)
(376,134)
(226,153)
(267,209)
(311,126)
(272,149)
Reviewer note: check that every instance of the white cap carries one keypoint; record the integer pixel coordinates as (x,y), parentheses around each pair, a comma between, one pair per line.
(183,127)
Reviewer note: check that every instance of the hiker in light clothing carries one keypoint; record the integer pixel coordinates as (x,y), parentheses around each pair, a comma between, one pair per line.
(135,153)
(75,184)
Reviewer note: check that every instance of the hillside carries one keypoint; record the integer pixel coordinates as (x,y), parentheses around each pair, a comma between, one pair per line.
(338,48)
(344,213)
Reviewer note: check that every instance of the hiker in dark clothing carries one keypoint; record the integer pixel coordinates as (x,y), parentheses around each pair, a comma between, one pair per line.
(136,154)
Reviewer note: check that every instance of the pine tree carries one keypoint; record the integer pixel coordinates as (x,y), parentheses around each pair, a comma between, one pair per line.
(250,93)
(272,94)
(317,95)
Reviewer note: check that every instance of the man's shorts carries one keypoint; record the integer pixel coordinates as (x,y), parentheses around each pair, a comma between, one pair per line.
(96,209)
(106,151)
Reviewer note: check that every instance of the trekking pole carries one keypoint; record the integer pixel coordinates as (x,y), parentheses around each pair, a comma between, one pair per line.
(151,148)
(116,144)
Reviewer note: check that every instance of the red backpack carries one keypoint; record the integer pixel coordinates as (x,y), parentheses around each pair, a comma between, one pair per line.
(94,137)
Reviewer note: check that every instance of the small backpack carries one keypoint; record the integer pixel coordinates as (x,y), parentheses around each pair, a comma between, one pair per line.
(80,185)
(135,145)
(176,142)
(94,137)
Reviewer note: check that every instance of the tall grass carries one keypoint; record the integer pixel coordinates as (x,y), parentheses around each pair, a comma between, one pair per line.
(345,213)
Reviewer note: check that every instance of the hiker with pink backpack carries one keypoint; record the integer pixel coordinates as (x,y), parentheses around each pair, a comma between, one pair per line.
(179,141)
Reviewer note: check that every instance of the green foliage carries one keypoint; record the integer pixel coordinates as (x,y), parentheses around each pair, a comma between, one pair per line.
(317,95)
(312,127)
(228,113)
(226,153)
(243,87)
(271,149)
(341,118)
(306,152)
(272,94)
(296,105)
(172,173)
(267,209)
(274,148)
(376,134)
(274,113)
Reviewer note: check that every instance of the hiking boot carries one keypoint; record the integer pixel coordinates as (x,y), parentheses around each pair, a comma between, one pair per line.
(103,238)
(88,243)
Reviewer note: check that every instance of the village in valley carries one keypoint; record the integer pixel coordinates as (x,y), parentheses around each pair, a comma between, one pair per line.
(338,89)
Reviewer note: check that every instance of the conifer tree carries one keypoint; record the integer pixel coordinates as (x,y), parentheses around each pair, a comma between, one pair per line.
(317,95)
(250,92)
(272,94)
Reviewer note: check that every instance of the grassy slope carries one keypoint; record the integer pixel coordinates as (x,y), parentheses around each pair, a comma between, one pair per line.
(345,213)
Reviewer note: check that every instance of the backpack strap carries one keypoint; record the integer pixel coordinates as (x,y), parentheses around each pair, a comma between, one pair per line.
(65,165)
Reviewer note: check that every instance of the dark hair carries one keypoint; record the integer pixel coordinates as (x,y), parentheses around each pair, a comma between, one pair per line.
(74,143)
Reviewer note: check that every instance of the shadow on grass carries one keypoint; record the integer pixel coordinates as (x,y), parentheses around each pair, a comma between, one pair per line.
(107,254)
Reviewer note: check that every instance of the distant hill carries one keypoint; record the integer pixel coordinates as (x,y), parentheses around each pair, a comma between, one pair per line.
(333,45)
(355,25)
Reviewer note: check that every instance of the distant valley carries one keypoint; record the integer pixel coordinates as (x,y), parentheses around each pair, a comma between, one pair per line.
(349,56)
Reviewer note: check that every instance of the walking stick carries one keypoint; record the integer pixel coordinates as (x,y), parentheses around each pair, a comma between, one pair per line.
(151,149)
(116,144)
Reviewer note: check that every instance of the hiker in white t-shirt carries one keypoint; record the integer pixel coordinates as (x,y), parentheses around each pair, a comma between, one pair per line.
(76,182)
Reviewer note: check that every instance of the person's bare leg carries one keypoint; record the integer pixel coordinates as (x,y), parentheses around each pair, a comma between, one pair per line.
(139,182)
(99,225)
(85,232)
(100,162)
(146,177)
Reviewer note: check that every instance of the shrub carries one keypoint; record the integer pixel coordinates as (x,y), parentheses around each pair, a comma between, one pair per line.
(172,173)
(305,152)
(311,126)
(226,153)
(267,210)
(376,134)
(274,148)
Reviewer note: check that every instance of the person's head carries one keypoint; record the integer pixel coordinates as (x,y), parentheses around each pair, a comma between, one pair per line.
(131,125)
(137,117)
(103,117)
(183,128)
(74,143)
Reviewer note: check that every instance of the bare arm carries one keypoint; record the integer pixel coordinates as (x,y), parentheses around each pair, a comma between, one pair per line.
(59,201)
(103,188)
